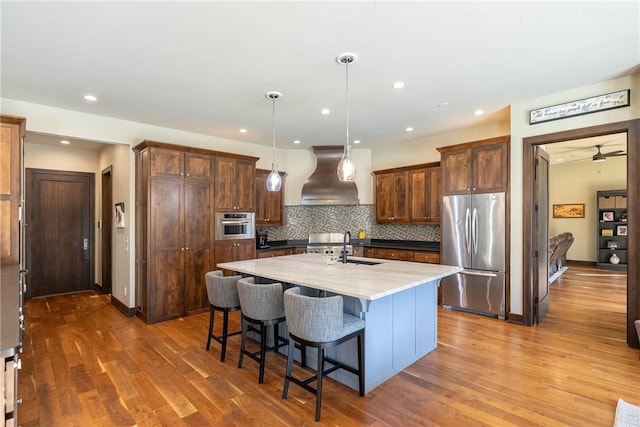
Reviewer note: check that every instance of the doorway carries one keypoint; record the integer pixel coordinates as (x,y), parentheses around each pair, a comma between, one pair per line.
(632,130)
(59,234)
(105,230)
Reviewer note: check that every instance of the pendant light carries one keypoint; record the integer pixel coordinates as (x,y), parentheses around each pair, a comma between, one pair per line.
(274,180)
(346,167)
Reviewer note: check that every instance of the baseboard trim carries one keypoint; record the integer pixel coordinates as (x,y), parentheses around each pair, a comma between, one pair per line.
(582,263)
(515,318)
(127,311)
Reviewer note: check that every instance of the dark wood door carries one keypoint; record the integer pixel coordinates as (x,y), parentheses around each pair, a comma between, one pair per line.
(245,186)
(106,228)
(418,183)
(541,234)
(435,195)
(490,168)
(59,237)
(456,172)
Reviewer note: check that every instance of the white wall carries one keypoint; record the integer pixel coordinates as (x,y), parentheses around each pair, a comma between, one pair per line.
(578,182)
(521,129)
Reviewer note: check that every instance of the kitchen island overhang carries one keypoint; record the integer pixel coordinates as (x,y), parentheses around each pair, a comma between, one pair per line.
(398,301)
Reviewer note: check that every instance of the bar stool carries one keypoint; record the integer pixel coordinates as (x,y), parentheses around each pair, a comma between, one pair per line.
(223,296)
(262,306)
(320,323)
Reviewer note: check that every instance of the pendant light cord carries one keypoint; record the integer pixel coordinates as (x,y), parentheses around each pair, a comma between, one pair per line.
(347,97)
(273,102)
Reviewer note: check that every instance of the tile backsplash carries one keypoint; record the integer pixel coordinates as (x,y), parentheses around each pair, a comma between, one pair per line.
(300,221)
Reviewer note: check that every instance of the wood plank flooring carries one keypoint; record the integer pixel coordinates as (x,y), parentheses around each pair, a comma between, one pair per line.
(85,364)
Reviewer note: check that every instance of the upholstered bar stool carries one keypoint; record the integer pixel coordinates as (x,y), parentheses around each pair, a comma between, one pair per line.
(320,323)
(262,306)
(223,296)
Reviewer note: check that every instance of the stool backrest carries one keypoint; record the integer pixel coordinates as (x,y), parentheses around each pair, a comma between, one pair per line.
(222,290)
(313,319)
(260,302)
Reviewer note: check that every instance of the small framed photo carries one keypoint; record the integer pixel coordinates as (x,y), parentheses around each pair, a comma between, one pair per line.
(621,230)
(607,232)
(607,216)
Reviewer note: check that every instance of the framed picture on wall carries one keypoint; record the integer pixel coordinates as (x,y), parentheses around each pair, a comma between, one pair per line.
(621,230)
(119,215)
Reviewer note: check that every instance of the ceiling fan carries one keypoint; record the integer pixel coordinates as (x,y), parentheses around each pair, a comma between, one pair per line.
(601,157)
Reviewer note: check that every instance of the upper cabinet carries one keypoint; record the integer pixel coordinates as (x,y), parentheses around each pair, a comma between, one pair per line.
(476,167)
(409,194)
(392,197)
(235,185)
(12,131)
(425,195)
(268,203)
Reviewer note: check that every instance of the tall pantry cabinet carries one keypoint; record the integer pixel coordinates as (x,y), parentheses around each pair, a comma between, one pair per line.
(174,229)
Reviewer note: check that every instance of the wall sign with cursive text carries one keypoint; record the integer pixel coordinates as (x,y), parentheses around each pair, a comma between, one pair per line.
(582,106)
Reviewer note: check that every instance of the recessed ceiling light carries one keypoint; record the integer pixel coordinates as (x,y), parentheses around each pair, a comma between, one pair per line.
(478,112)
(559,160)
(243,131)
(409,129)
(357,141)
(443,104)
(398,85)
(65,142)
(325,111)
(91,98)
(296,141)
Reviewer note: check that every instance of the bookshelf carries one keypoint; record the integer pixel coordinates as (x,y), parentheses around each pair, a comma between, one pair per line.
(612,229)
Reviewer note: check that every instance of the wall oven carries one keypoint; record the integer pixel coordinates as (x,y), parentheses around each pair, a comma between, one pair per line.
(235,225)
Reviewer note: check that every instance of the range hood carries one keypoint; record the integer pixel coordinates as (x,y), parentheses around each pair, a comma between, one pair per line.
(323,186)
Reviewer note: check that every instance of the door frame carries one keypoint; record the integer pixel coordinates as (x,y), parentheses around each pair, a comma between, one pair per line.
(106,249)
(632,129)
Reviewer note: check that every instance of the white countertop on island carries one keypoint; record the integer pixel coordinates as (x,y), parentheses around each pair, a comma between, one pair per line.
(368,282)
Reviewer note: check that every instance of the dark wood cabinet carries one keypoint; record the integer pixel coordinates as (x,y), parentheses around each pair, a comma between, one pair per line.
(268,203)
(235,185)
(425,195)
(174,231)
(476,167)
(234,250)
(392,197)
(408,195)
(12,130)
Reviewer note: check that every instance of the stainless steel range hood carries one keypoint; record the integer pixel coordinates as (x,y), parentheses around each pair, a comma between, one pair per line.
(323,186)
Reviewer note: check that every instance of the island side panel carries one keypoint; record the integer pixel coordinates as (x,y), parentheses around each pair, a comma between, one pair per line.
(399,330)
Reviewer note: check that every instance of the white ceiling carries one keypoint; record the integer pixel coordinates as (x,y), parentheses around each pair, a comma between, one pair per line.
(205,66)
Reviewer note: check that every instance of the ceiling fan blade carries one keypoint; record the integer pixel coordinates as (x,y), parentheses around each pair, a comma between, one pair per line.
(614,153)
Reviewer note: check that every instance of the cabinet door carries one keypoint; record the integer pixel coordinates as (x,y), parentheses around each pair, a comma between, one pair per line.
(245,188)
(268,203)
(198,166)
(490,168)
(456,172)
(166,162)
(418,189)
(225,183)
(392,198)
(198,235)
(9,192)
(225,251)
(166,296)
(245,249)
(397,254)
(434,195)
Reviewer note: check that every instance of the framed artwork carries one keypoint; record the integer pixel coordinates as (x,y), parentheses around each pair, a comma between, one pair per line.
(607,232)
(119,215)
(607,216)
(621,230)
(575,210)
(604,102)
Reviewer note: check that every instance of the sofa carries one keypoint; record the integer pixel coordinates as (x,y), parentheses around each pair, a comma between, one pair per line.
(558,247)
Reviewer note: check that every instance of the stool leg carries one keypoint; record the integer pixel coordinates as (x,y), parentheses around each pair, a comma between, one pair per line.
(243,342)
(287,375)
(225,326)
(263,351)
(211,316)
(319,382)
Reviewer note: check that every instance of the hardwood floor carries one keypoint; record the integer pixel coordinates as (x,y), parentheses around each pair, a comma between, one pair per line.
(86,364)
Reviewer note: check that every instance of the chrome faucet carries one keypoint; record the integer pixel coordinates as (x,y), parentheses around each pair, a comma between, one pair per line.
(345,240)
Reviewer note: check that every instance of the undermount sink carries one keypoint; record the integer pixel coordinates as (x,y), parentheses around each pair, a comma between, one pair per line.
(358,261)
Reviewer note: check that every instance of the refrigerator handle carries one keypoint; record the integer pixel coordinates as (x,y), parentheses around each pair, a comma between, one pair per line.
(467,226)
(474,230)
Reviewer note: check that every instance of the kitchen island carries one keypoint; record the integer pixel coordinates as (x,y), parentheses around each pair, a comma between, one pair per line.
(396,299)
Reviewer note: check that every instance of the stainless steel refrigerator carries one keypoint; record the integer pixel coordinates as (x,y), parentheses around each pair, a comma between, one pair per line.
(473,237)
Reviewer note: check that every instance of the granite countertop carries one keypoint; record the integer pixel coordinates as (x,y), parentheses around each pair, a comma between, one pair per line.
(369,282)
(413,245)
